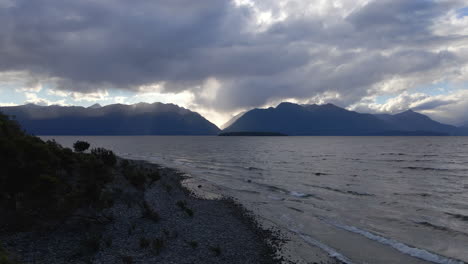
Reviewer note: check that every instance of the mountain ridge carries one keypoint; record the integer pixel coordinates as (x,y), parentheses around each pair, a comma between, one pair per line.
(328,119)
(115,119)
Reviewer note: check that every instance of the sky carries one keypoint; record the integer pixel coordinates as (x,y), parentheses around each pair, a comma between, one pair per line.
(222,57)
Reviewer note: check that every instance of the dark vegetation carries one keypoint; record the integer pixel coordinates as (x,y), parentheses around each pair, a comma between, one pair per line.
(81,146)
(5,257)
(42,181)
(57,205)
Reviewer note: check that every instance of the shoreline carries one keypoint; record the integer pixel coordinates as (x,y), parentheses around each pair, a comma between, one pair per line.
(160,221)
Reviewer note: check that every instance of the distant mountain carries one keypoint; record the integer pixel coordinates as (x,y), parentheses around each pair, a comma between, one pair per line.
(232,120)
(116,119)
(95,106)
(294,119)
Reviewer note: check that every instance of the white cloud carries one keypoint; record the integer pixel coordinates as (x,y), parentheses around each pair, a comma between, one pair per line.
(448,108)
(32,98)
(8,104)
(90,97)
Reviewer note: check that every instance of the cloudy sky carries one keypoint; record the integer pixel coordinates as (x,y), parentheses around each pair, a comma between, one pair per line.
(220,57)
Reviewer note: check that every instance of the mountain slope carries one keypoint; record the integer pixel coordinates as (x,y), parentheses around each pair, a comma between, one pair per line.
(412,121)
(293,119)
(232,120)
(117,119)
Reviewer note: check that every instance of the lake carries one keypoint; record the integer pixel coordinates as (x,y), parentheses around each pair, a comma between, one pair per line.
(361,199)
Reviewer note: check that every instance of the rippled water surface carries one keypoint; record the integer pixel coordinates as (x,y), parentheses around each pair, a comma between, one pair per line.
(363,199)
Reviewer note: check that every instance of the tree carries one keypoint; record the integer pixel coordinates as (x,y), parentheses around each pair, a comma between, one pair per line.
(81,146)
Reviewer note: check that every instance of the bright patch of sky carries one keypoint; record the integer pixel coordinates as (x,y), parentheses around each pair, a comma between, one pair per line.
(462,12)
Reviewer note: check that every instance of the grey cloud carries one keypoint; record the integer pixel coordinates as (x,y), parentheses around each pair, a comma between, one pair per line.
(88,45)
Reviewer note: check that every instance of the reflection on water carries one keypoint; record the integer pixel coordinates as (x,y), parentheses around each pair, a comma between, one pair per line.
(368,199)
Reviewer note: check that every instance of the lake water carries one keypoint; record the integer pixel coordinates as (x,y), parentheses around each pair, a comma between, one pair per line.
(362,199)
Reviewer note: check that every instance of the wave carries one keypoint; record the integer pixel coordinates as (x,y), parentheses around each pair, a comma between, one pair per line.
(341,191)
(304,195)
(459,216)
(295,209)
(331,251)
(403,248)
(426,169)
(254,169)
(431,225)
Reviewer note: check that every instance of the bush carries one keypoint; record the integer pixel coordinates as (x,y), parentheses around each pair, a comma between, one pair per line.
(158,245)
(106,156)
(5,258)
(149,213)
(127,259)
(42,180)
(154,176)
(144,242)
(193,244)
(216,250)
(135,177)
(81,146)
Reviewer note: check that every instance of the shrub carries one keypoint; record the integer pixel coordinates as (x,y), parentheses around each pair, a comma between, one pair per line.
(92,243)
(154,176)
(216,250)
(181,204)
(135,177)
(106,156)
(158,245)
(5,257)
(193,244)
(144,242)
(167,187)
(81,146)
(149,213)
(127,259)
(189,212)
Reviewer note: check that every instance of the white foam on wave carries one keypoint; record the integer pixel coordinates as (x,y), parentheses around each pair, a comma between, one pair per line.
(403,248)
(330,251)
(298,194)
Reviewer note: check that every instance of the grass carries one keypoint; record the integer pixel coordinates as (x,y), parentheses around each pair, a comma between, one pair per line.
(189,212)
(216,250)
(5,257)
(91,244)
(157,245)
(144,242)
(127,259)
(193,244)
(149,213)
(167,187)
(183,205)
(154,176)
(108,242)
(135,177)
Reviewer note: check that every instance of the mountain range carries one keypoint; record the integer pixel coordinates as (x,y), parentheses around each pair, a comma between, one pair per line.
(169,119)
(116,119)
(330,120)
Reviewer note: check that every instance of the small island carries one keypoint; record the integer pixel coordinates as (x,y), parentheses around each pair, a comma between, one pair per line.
(252,134)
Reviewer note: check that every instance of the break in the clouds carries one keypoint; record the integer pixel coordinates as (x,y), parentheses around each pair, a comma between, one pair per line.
(221,56)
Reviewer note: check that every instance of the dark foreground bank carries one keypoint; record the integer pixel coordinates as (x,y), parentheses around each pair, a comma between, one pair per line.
(60,206)
(152,220)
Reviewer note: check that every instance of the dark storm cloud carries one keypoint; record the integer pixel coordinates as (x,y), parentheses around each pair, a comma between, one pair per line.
(121,43)
(86,45)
